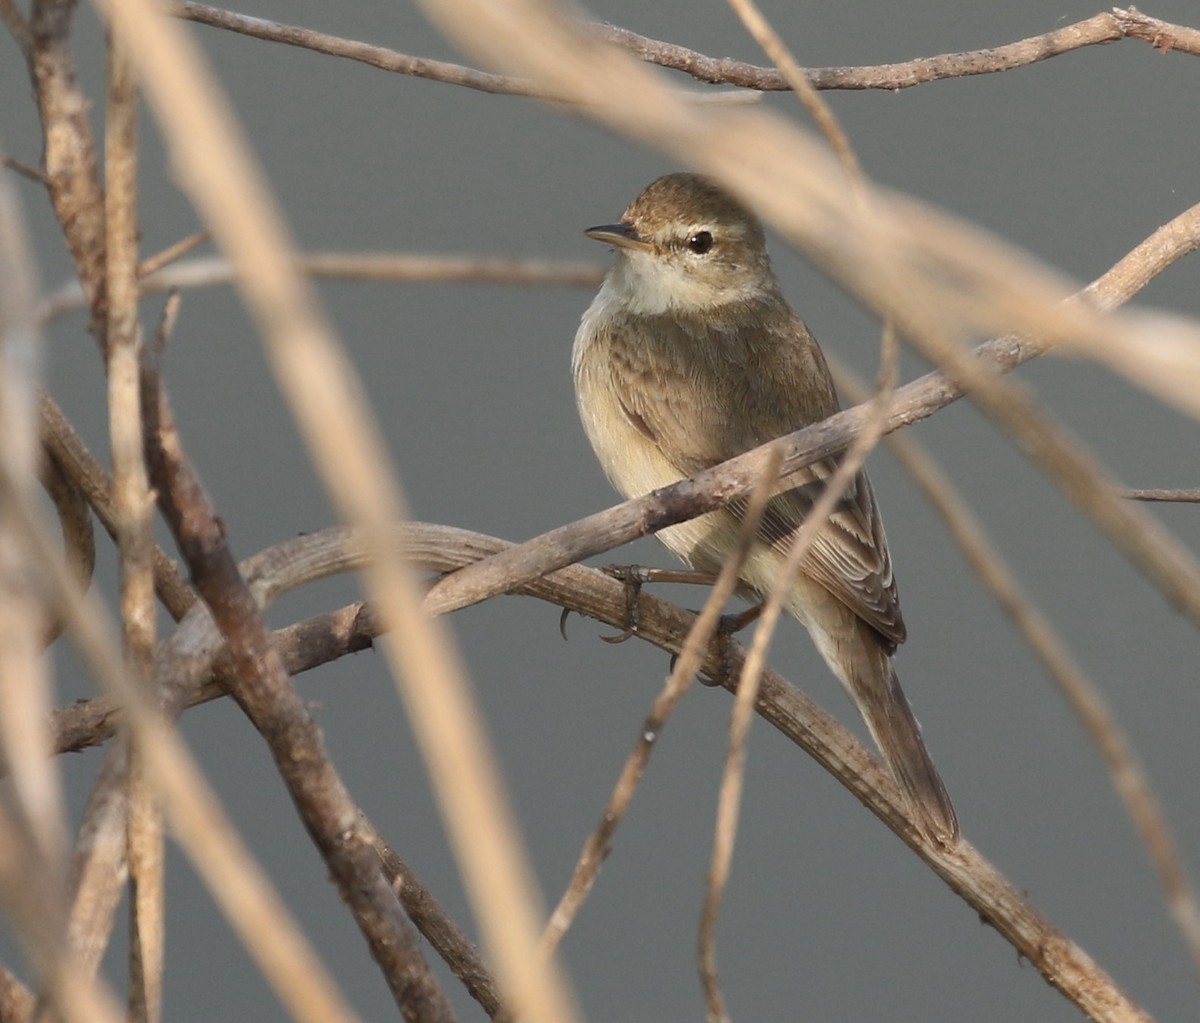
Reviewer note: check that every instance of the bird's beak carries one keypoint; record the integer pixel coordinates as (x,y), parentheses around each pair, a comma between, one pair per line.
(623,236)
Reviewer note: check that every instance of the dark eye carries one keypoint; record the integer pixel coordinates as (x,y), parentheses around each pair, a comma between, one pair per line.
(700,242)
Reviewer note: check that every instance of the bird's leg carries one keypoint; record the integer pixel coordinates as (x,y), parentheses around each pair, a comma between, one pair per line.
(635,577)
(731,623)
(727,627)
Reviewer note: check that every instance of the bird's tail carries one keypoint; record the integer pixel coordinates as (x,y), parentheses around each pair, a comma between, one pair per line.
(898,736)
(865,669)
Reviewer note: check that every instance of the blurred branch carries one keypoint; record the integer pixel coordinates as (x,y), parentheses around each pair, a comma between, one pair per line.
(17,25)
(204,833)
(75,522)
(67,450)
(134,507)
(358,266)
(32,815)
(70,160)
(16,1000)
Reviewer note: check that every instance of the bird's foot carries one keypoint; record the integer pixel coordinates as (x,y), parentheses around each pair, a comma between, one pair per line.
(728,625)
(634,577)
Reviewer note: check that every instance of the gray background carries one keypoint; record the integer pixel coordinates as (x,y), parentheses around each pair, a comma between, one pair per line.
(828,916)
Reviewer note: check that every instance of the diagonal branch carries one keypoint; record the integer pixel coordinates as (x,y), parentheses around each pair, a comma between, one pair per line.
(263,690)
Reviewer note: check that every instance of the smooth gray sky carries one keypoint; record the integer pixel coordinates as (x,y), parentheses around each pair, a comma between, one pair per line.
(828,916)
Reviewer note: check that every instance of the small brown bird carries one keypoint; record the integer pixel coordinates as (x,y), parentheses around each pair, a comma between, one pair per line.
(690,355)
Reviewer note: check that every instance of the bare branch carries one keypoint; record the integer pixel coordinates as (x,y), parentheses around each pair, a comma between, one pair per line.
(64,446)
(439,930)
(357,266)
(1097,30)
(70,157)
(262,689)
(381,57)
(75,521)
(204,832)
(1181,496)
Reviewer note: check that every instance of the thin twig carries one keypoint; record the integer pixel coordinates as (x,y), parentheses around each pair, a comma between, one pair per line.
(357,266)
(1098,30)
(1180,496)
(172,253)
(24,169)
(68,451)
(729,799)
(380,56)
(75,522)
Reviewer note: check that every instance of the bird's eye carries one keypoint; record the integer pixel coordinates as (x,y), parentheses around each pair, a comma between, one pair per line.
(700,242)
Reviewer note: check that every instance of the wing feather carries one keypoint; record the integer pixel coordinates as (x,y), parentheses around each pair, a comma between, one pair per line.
(702,399)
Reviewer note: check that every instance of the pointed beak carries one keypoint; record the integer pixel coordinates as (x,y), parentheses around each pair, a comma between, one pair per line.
(623,236)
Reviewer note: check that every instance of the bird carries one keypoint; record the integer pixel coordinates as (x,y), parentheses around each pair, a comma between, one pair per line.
(690,355)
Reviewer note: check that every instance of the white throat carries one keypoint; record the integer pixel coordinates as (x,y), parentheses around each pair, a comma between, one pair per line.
(643,284)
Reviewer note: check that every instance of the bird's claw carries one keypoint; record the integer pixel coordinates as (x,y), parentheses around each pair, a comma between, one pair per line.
(727,626)
(633,576)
